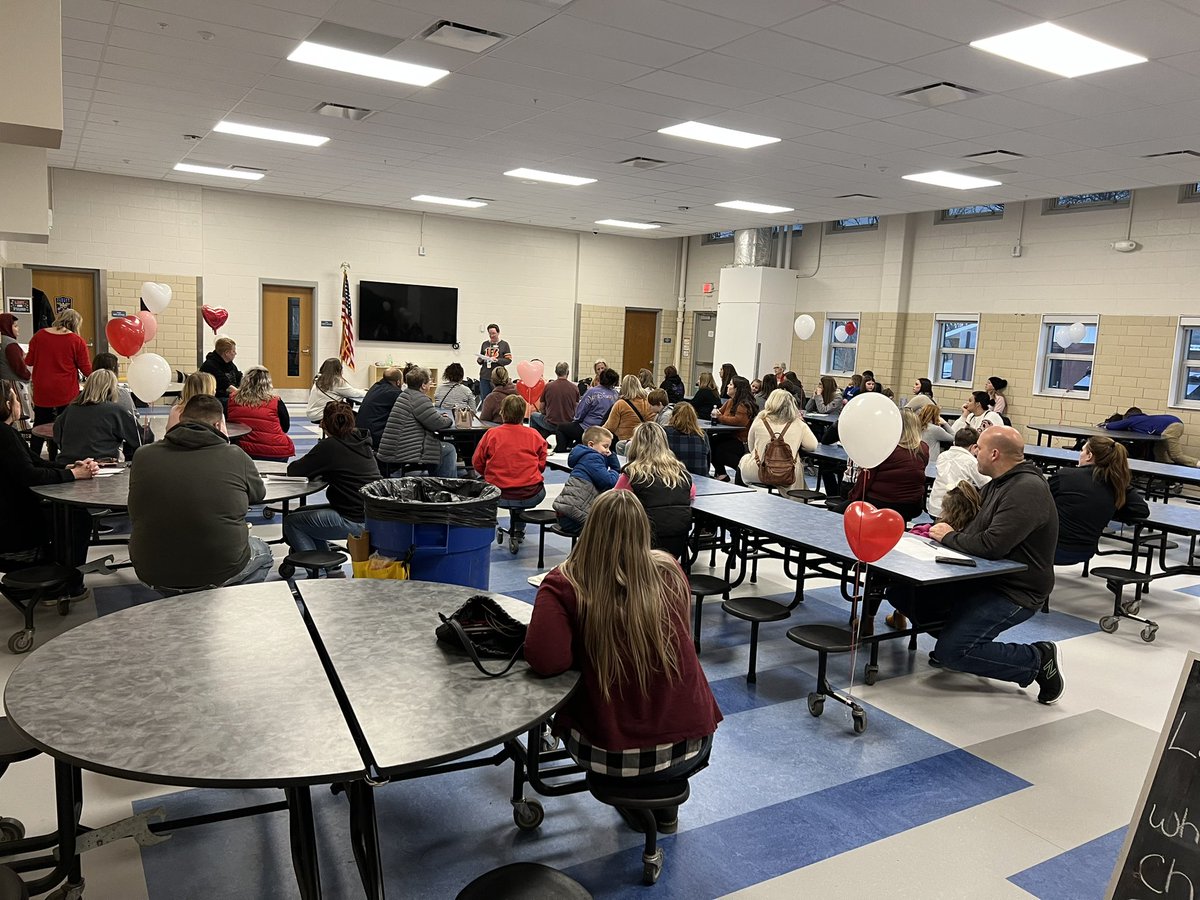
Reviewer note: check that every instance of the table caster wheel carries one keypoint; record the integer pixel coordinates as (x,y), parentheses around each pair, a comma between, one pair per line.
(11,829)
(21,641)
(871,674)
(268,513)
(286,571)
(816,704)
(1109,624)
(513,545)
(528,814)
(652,867)
(860,720)
(1149,633)
(549,742)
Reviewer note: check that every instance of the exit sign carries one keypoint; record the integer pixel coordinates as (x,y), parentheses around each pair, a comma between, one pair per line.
(708,287)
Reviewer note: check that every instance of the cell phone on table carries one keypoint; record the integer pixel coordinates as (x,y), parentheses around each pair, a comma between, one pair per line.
(956,561)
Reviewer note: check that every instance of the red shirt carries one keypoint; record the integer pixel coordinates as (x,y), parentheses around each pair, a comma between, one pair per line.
(510,456)
(57,361)
(671,711)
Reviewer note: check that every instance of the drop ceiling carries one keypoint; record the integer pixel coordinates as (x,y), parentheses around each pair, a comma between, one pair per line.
(578,86)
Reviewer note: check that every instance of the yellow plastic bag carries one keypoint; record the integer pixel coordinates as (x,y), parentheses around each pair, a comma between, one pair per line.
(377,566)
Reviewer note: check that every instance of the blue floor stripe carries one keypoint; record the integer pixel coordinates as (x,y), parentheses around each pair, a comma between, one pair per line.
(1079,874)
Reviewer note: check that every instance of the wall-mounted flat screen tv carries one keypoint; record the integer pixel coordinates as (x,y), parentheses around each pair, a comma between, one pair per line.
(407,313)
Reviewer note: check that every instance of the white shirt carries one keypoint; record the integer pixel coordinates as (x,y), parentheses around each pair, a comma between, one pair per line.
(954,465)
(978,422)
(317,398)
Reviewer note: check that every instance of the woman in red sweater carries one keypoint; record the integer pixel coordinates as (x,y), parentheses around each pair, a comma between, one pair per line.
(513,457)
(58,356)
(644,698)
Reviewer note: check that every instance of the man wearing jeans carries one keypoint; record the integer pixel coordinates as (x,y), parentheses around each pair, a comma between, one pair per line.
(1170,449)
(188,498)
(1017,521)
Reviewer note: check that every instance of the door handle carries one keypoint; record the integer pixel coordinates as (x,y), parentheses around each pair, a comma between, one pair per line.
(306,350)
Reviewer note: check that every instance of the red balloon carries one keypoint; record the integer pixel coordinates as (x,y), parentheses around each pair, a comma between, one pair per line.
(871,532)
(126,334)
(851,328)
(532,393)
(215,316)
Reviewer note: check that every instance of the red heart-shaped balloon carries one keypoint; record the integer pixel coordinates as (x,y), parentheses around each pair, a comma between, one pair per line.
(871,532)
(215,316)
(125,334)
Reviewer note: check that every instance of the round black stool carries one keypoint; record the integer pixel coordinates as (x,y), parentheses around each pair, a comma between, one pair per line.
(26,588)
(524,881)
(311,561)
(701,586)
(542,518)
(755,610)
(11,885)
(642,800)
(13,749)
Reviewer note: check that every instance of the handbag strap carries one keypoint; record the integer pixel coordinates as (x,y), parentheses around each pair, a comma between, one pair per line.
(469,646)
(636,411)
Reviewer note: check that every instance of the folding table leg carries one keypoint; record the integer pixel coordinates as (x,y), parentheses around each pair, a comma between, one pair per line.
(364,838)
(304,842)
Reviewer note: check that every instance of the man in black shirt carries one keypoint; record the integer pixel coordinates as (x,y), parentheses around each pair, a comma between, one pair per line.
(493,352)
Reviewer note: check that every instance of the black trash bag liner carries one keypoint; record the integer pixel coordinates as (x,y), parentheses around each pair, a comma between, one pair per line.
(432,501)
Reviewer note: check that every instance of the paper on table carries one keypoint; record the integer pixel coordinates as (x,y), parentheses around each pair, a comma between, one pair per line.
(925,550)
(105,473)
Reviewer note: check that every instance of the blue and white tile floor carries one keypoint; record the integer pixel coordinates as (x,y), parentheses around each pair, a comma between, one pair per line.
(959,788)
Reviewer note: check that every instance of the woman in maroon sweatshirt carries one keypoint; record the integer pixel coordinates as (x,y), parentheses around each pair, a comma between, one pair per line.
(644,697)
(899,481)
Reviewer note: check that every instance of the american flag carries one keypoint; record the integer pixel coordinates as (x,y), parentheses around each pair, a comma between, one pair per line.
(347,350)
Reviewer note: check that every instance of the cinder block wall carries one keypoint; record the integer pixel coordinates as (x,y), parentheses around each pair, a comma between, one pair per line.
(178,324)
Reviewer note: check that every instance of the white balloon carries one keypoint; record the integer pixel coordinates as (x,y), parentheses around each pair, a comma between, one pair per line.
(805,327)
(156,295)
(148,376)
(869,429)
(1064,339)
(1077,332)
(839,334)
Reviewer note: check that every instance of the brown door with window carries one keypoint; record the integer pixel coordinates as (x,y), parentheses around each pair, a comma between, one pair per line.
(76,290)
(641,332)
(287,323)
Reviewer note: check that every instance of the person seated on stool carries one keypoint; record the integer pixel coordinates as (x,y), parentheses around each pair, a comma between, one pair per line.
(195,385)
(502,386)
(899,481)
(977,413)
(188,498)
(94,424)
(631,409)
(256,405)
(955,465)
(344,459)
(25,526)
(410,436)
(513,458)
(559,402)
(687,439)
(740,409)
(1018,522)
(219,364)
(1090,496)
(452,393)
(330,384)
(594,469)
(780,418)
(375,408)
(661,482)
(124,394)
(644,711)
(592,411)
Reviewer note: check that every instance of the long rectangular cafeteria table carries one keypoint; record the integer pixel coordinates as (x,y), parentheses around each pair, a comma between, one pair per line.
(1167,474)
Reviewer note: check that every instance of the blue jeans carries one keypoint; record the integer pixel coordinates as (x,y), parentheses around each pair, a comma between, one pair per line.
(259,565)
(312,529)
(485,385)
(541,426)
(516,525)
(1066,556)
(448,464)
(974,615)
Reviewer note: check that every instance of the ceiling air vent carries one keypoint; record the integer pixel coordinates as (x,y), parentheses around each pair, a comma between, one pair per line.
(855,197)
(341,111)
(642,162)
(248,169)
(992,157)
(1172,153)
(939,94)
(462,37)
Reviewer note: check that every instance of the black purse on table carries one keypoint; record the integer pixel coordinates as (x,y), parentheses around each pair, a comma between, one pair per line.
(481,628)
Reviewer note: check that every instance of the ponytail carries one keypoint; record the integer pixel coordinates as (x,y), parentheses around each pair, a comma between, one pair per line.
(1110,465)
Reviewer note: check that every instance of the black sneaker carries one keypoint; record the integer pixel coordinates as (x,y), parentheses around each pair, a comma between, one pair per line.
(934,661)
(1049,675)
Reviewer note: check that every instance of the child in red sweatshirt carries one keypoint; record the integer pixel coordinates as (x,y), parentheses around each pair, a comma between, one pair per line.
(513,457)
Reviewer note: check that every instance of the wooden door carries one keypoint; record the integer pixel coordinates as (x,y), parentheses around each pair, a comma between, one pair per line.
(641,335)
(287,335)
(74,289)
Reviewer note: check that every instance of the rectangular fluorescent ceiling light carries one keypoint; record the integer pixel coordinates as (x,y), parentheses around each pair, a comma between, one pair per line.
(364,64)
(713,134)
(955,180)
(215,170)
(554,177)
(270,134)
(747,206)
(1055,49)
(449,201)
(617,223)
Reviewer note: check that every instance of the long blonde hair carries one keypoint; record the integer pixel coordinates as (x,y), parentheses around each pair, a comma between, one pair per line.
(631,389)
(631,599)
(255,389)
(100,387)
(330,375)
(650,457)
(910,431)
(930,414)
(780,407)
(196,385)
(706,380)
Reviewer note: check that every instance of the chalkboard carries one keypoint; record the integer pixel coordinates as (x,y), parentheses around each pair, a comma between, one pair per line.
(1161,856)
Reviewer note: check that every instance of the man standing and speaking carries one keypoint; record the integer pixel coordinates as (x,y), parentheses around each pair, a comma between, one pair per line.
(493,352)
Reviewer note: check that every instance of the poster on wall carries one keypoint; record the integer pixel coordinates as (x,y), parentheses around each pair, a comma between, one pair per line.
(61,304)
(20,306)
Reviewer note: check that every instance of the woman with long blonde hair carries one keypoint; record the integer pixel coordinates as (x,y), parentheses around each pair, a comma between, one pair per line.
(779,418)
(195,385)
(662,483)
(706,396)
(93,425)
(644,698)
(58,357)
(330,385)
(933,430)
(256,406)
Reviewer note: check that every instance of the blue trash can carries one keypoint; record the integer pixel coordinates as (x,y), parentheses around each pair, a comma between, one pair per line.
(447,524)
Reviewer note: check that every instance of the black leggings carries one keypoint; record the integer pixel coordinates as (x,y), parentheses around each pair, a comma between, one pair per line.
(727,452)
(568,435)
(45,415)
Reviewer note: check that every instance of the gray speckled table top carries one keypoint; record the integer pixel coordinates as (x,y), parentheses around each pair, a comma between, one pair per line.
(112,491)
(217,688)
(417,703)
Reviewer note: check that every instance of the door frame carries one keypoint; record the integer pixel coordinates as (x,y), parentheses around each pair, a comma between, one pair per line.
(314,286)
(99,289)
(658,321)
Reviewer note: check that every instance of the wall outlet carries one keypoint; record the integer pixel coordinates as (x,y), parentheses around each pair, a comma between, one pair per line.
(420,251)
(1016,251)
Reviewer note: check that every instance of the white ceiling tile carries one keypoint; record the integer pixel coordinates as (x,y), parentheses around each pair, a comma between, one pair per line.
(500,70)
(1150,84)
(663,20)
(380,18)
(742,73)
(82,49)
(956,20)
(894,135)
(683,87)
(500,16)
(973,68)
(1074,97)
(1054,9)
(566,32)
(854,32)
(801,57)
(1147,27)
(948,124)
(671,109)
(545,54)
(91,10)
(763,13)
(1006,111)
(847,99)
(802,113)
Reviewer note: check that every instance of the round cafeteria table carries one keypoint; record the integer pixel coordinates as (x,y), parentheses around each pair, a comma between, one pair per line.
(239,687)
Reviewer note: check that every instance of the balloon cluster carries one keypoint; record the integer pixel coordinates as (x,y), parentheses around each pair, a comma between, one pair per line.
(1072,335)
(148,374)
(869,430)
